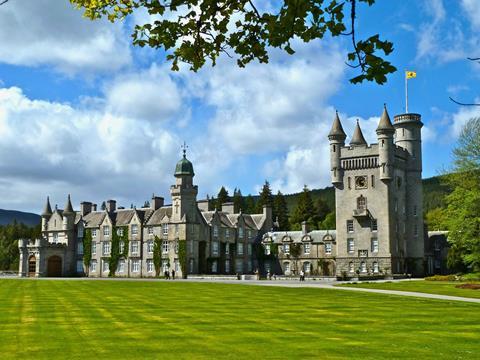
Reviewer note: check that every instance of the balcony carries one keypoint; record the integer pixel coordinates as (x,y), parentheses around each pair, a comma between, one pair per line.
(361,212)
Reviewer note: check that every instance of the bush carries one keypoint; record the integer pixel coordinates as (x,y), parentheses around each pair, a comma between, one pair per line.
(442,278)
(471,277)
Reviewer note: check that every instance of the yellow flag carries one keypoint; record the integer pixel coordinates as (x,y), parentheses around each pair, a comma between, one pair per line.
(410,74)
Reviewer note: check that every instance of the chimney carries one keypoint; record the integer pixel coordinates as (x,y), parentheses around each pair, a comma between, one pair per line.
(85,208)
(267,215)
(111,205)
(228,208)
(157,202)
(203,205)
(94,207)
(304,228)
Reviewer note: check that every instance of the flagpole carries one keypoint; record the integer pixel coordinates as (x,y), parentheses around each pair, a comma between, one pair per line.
(406,93)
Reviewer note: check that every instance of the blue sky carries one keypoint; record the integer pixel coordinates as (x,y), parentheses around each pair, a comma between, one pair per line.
(84,112)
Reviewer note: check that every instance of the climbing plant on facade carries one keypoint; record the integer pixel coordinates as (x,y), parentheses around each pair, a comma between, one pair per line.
(87,249)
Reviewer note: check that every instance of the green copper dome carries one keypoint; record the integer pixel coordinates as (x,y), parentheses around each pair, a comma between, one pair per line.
(184,167)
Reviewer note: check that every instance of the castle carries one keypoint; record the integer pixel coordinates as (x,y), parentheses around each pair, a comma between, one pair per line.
(379,223)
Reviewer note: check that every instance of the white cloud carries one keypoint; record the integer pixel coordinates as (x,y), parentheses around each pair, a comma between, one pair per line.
(472,10)
(53,33)
(464,114)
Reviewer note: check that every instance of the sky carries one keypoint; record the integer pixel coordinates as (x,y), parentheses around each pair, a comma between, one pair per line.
(83,112)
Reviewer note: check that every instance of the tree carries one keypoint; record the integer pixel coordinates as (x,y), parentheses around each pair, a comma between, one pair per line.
(305,210)
(194,31)
(295,252)
(435,219)
(463,204)
(104,206)
(281,211)
(329,223)
(238,200)
(222,198)
(250,204)
(266,198)
(321,209)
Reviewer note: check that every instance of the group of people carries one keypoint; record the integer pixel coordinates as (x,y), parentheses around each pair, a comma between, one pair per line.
(169,274)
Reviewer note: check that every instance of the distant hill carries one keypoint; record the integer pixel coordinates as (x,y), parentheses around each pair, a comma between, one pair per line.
(9,216)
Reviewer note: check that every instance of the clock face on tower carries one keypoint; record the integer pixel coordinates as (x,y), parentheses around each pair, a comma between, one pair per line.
(360,182)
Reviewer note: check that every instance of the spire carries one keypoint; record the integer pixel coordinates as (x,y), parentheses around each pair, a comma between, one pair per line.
(47,211)
(337,129)
(68,206)
(357,138)
(184,148)
(385,125)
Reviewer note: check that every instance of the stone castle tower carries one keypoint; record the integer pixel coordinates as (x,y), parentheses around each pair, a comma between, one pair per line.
(378,192)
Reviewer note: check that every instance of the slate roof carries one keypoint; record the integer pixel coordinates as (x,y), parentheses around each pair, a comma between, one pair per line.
(156,217)
(297,236)
(337,129)
(94,219)
(358,138)
(385,125)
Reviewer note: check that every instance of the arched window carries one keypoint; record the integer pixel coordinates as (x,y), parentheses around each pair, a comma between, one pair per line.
(375,267)
(307,266)
(361,202)
(363,267)
(351,268)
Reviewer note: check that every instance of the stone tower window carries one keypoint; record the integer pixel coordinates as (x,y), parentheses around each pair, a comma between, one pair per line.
(361,202)
(350,226)
(374,225)
(415,210)
(349,183)
(373,181)
(334,148)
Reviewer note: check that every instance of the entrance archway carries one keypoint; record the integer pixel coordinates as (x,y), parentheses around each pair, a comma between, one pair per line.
(32,266)
(54,266)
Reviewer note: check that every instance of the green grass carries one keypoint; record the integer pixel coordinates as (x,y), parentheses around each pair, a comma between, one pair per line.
(145,320)
(429,287)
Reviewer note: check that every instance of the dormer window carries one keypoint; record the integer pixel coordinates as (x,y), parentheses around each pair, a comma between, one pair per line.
(215,231)
(94,233)
(106,231)
(134,229)
(120,231)
(165,229)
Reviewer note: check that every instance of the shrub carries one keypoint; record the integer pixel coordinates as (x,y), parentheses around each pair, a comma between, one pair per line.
(471,277)
(442,278)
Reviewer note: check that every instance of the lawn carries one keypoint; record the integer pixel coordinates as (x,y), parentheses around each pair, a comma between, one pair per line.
(145,320)
(429,287)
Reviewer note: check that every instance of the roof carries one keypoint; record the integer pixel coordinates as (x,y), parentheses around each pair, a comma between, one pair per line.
(156,217)
(357,138)
(184,167)
(297,236)
(68,206)
(47,211)
(122,217)
(94,219)
(385,125)
(337,129)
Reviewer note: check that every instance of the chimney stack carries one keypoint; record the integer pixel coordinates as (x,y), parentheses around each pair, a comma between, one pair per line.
(157,202)
(228,208)
(85,208)
(111,205)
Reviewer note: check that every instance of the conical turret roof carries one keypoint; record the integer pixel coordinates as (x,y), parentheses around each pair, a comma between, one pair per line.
(68,206)
(385,125)
(337,129)
(47,211)
(357,138)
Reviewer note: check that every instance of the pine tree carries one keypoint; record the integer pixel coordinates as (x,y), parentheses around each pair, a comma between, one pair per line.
(222,198)
(146,204)
(305,210)
(281,211)
(266,198)
(104,206)
(249,204)
(238,201)
(321,209)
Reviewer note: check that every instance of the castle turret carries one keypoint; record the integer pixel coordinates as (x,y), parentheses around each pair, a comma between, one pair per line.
(46,214)
(358,138)
(386,147)
(337,139)
(184,193)
(68,215)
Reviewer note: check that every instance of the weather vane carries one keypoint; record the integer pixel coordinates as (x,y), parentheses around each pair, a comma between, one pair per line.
(184,148)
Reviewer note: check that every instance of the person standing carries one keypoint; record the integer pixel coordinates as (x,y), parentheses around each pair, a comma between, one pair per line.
(173,274)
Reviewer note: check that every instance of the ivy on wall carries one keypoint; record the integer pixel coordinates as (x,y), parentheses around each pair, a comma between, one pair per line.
(115,254)
(87,249)
(182,257)
(157,255)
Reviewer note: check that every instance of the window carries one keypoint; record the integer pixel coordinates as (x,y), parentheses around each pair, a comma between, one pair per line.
(350,246)
(150,230)
(93,266)
(374,245)
(94,248)
(240,249)
(363,267)
(350,226)
(227,249)
(286,267)
(106,266)
(94,233)
(135,266)
(150,246)
(165,229)
(165,265)
(165,246)
(415,230)
(375,267)
(267,267)
(176,265)
(214,248)
(307,267)
(106,231)
(267,249)
(214,266)
(306,248)
(80,248)
(249,265)
(249,233)
(121,246)
(191,264)
(286,248)
(121,266)
(396,205)
(328,248)
(361,203)
(240,233)
(55,238)
(150,265)
(374,225)
(415,210)
(106,248)
(176,229)
(135,248)
(239,266)
(249,249)
(120,231)
(373,181)
(227,266)
(215,231)
(349,183)
(176,247)
(79,266)
(80,232)
(351,268)
(134,229)
(227,233)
